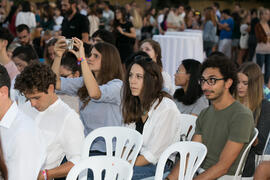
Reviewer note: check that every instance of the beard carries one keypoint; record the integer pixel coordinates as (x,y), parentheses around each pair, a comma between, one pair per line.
(68,12)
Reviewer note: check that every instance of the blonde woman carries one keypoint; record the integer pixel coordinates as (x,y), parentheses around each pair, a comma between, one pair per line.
(250,93)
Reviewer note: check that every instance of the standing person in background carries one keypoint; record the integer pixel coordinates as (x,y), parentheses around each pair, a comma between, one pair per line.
(175,19)
(209,31)
(137,22)
(108,15)
(74,23)
(262,31)
(236,35)
(26,16)
(93,19)
(125,34)
(226,27)
(217,11)
(252,41)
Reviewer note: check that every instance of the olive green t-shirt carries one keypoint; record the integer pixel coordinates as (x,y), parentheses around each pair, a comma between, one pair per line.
(216,127)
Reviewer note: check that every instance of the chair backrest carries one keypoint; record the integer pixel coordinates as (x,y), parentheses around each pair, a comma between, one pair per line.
(266,150)
(195,152)
(187,126)
(243,157)
(128,142)
(115,168)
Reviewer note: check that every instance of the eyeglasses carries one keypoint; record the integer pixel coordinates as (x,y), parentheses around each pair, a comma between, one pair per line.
(210,81)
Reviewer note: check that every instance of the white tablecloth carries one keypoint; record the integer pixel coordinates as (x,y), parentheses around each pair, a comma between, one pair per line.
(177,46)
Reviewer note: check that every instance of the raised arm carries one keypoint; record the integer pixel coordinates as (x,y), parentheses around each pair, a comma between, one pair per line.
(59,49)
(88,77)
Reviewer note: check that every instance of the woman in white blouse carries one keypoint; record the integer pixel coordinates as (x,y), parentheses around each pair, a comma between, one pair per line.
(152,48)
(150,111)
(26,16)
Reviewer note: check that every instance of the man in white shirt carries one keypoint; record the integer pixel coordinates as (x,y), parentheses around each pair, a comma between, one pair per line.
(175,19)
(60,125)
(23,146)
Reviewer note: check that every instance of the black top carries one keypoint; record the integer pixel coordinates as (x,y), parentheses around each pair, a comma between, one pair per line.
(140,125)
(75,27)
(253,23)
(263,127)
(122,39)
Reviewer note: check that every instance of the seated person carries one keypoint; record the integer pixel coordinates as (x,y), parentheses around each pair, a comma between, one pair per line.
(189,98)
(151,111)
(60,125)
(249,92)
(226,126)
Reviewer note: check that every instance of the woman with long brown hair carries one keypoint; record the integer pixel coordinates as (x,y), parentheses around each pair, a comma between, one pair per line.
(151,112)
(209,30)
(98,88)
(250,93)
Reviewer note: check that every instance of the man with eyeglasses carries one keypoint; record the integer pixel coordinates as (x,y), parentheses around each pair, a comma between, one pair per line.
(226,126)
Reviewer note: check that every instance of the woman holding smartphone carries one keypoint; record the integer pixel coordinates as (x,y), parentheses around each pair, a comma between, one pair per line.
(98,88)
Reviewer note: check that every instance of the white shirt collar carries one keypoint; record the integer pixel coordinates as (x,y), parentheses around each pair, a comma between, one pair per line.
(10,116)
(52,106)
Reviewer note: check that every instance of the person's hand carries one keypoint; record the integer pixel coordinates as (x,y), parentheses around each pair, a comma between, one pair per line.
(79,45)
(40,176)
(120,29)
(60,46)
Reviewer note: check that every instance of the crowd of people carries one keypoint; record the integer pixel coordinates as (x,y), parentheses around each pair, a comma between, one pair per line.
(70,67)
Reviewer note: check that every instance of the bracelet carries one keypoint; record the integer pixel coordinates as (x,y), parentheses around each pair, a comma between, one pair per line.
(80,60)
(45,172)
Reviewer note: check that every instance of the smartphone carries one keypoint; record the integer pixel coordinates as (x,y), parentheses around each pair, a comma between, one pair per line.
(69,43)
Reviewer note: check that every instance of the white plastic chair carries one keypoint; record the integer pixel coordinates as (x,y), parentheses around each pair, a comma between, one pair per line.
(128,142)
(187,126)
(241,164)
(196,153)
(114,168)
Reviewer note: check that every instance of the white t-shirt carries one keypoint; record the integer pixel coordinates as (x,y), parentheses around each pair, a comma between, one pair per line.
(27,18)
(176,20)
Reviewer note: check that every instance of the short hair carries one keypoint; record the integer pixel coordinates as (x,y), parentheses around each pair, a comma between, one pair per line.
(105,35)
(26,53)
(216,4)
(22,27)
(253,10)
(226,67)
(36,76)
(6,35)
(227,12)
(26,6)
(4,77)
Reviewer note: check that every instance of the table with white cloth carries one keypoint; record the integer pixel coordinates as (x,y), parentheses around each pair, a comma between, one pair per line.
(177,46)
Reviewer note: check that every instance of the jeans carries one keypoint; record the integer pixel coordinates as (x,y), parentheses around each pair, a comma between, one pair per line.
(140,172)
(264,59)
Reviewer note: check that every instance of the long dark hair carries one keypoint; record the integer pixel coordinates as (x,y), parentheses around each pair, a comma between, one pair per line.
(133,107)
(111,68)
(194,90)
